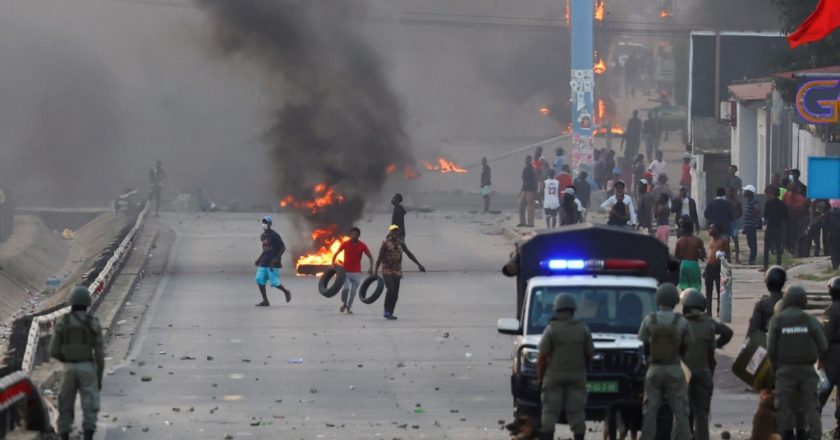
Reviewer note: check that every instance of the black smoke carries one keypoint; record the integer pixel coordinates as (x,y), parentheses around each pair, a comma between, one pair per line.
(336,119)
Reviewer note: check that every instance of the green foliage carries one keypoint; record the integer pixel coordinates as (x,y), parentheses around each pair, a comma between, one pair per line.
(808,56)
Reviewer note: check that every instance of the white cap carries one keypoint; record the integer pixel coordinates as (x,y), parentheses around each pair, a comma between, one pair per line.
(570,191)
(750,188)
(643,181)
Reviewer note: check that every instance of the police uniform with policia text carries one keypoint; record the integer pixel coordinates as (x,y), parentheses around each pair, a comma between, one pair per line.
(795,342)
(77,343)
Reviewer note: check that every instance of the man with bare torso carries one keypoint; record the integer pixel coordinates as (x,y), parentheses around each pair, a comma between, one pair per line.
(718,249)
(689,251)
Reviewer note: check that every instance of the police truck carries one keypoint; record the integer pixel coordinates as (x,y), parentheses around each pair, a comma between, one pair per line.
(613,274)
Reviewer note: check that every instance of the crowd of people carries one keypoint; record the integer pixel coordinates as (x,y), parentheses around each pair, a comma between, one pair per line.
(791,221)
(551,186)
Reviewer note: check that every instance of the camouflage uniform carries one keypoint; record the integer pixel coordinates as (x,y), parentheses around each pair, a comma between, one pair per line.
(795,342)
(567,345)
(77,343)
(666,336)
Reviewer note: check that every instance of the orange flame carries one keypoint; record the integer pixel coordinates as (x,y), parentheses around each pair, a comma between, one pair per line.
(444,166)
(568,13)
(615,130)
(600,67)
(323,196)
(545,111)
(664,13)
(328,244)
(599,10)
(602,109)
(409,173)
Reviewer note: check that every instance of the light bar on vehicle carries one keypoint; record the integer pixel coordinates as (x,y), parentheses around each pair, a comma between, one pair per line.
(580,265)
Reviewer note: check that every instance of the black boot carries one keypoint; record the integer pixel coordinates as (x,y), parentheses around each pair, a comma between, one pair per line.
(546,435)
(788,435)
(65,436)
(837,431)
(89,434)
(802,434)
(579,436)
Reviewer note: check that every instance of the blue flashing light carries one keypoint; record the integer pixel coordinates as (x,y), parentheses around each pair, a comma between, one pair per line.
(566,264)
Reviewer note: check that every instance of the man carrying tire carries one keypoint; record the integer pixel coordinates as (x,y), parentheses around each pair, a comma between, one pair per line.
(268,264)
(390,258)
(353,250)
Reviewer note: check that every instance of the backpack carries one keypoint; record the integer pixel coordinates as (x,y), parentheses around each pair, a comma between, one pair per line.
(664,341)
(76,339)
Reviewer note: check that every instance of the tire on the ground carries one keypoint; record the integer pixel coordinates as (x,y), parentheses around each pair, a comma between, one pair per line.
(377,292)
(324,287)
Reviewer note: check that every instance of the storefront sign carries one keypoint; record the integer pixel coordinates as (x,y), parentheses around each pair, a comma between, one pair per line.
(818,100)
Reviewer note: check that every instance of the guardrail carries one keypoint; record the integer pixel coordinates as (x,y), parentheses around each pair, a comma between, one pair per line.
(44,323)
(18,391)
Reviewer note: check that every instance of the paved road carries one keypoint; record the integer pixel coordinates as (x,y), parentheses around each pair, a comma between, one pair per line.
(361,376)
(440,371)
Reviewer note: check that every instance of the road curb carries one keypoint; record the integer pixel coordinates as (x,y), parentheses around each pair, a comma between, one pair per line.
(47,375)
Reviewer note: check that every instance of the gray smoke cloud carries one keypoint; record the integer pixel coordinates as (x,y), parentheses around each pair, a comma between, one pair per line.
(336,119)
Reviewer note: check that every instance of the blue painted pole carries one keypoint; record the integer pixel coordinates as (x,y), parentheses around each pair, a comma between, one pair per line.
(583,85)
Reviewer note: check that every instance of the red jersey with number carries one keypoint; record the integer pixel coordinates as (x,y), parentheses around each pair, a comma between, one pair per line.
(353,255)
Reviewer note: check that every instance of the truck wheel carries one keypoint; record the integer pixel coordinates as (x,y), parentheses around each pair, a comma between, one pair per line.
(323,285)
(380,284)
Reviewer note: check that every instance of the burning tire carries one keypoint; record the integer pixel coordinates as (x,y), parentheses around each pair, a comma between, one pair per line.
(323,285)
(380,285)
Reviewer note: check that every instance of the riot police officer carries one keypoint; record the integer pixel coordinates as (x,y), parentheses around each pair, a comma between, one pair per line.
(795,342)
(831,360)
(700,359)
(666,337)
(566,348)
(77,343)
(774,279)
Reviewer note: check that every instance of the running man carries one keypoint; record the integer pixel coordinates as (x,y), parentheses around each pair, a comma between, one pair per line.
(353,250)
(268,264)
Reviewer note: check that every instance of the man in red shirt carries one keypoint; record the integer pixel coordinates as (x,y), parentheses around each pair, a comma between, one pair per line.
(353,250)
(564,177)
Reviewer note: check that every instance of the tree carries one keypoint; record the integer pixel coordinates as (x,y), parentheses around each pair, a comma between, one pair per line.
(808,56)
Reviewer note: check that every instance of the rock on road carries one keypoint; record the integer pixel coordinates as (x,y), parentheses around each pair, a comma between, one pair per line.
(218,365)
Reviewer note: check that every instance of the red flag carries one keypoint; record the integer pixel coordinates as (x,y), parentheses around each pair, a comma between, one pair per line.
(824,20)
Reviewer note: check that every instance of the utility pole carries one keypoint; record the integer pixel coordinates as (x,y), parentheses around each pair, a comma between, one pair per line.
(582,84)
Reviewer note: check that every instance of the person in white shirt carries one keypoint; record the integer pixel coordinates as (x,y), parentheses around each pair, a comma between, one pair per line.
(657,167)
(620,195)
(551,201)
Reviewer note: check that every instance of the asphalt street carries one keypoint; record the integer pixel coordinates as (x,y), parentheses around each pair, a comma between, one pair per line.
(218,365)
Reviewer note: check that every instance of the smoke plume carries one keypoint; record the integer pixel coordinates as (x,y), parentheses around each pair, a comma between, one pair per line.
(336,120)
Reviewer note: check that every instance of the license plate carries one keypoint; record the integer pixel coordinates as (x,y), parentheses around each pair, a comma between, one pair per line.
(602,387)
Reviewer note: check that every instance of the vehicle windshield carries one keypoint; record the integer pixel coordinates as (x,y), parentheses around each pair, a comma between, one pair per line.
(604,309)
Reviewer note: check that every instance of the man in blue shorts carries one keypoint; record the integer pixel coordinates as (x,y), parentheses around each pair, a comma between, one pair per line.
(268,264)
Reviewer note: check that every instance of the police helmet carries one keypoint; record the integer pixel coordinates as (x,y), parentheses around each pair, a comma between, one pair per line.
(775,278)
(667,295)
(564,301)
(834,288)
(80,297)
(795,296)
(266,220)
(691,298)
